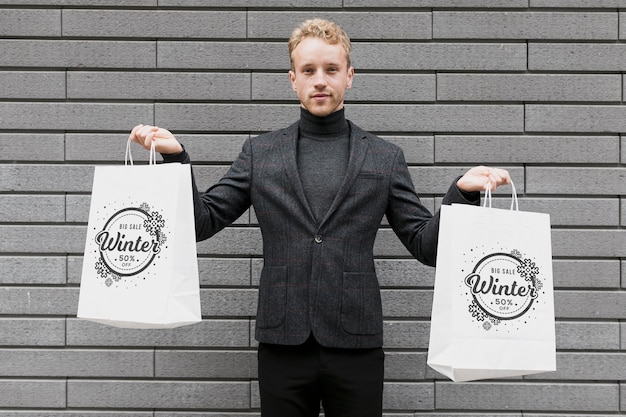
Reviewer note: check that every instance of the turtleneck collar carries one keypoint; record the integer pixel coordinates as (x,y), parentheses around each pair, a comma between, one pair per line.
(331,125)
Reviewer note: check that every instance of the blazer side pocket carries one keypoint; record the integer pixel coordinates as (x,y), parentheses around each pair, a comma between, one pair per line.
(272,297)
(361,308)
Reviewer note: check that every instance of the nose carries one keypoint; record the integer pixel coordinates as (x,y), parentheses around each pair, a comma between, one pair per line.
(319,79)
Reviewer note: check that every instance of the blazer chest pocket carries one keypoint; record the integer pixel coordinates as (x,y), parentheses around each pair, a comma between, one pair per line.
(272,297)
(361,308)
(368,183)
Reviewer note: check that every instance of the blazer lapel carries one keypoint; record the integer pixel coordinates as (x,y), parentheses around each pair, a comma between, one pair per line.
(358,150)
(289,145)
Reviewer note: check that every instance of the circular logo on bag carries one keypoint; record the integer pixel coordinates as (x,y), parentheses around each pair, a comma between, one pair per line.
(503,286)
(128,243)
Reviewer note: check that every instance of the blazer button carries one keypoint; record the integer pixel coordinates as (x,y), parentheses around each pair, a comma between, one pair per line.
(318,238)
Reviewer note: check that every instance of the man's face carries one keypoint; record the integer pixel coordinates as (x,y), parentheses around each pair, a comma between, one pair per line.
(320,75)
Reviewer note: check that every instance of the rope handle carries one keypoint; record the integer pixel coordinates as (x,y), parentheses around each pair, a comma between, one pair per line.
(129,156)
(514,202)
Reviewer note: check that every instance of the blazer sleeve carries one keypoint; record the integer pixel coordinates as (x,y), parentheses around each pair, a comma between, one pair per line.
(224,202)
(413,223)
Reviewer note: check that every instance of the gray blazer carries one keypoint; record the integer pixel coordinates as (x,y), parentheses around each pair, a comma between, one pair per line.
(319,277)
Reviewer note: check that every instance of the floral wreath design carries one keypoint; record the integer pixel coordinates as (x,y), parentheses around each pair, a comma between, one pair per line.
(528,270)
(153,224)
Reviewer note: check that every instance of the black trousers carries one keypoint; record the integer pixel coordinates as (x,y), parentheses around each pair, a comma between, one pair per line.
(294,380)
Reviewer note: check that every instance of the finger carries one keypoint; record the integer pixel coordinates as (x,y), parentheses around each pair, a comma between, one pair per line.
(133,133)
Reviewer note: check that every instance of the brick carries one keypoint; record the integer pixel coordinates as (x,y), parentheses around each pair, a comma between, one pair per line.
(224,272)
(154,23)
(417,149)
(31,208)
(42,239)
(365,87)
(223,55)
(233,241)
(112,147)
(437,180)
(32,84)
(529,87)
(81,413)
(32,270)
(100,3)
(228,302)
(213,148)
(206,365)
(253,3)
(205,414)
(225,117)
(73,116)
(157,394)
(589,304)
(575,211)
(46,178)
(574,180)
(437,117)
(578,3)
(77,363)
(527,396)
(28,393)
(525,25)
(30,22)
(439,56)
(439,3)
(405,366)
(360,25)
(31,147)
(623,333)
(575,118)
(208,333)
(587,366)
(404,273)
(587,335)
(38,301)
(109,147)
(32,332)
(406,334)
(77,53)
(408,396)
(77,208)
(585,273)
(596,57)
(407,303)
(185,86)
(526,149)
(588,243)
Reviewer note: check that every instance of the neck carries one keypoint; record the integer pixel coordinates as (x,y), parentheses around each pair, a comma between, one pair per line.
(333,124)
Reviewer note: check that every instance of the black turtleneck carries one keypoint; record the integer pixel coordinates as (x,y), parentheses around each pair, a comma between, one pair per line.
(323,152)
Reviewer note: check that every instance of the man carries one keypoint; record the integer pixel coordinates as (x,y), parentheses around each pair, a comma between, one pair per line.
(320,188)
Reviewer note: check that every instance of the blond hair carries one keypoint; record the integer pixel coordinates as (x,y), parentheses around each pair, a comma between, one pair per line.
(326,30)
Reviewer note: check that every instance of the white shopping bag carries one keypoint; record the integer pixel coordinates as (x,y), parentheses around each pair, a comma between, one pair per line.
(140,265)
(493,305)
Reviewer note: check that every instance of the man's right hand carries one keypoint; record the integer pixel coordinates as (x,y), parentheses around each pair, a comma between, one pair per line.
(164,141)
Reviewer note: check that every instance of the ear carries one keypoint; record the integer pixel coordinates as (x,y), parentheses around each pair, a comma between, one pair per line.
(350,77)
(292,79)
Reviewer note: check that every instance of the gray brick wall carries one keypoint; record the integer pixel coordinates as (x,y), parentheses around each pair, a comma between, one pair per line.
(534,86)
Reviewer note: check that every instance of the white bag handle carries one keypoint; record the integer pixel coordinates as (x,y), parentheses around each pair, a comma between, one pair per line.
(514,203)
(129,157)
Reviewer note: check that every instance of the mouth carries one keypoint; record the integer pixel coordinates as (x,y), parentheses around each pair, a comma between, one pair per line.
(320,96)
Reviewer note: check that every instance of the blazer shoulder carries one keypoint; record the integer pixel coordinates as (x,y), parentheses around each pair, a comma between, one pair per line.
(373,140)
(268,137)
